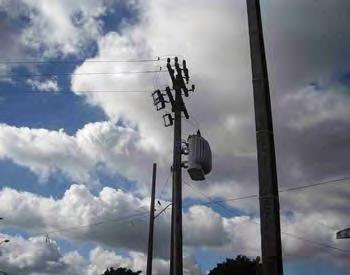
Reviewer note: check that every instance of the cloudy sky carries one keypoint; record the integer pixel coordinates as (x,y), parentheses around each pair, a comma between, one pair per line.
(75,165)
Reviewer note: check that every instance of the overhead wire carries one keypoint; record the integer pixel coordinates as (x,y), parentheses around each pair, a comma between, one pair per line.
(73,228)
(164,184)
(80,74)
(130,217)
(285,190)
(314,184)
(210,201)
(321,244)
(13,61)
(69,92)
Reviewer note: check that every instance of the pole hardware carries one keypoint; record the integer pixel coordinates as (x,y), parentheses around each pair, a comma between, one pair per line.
(168,120)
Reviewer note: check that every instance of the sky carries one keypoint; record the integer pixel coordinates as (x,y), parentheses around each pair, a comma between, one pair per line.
(76,161)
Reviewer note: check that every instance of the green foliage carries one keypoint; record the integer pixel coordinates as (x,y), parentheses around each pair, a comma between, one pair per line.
(242,265)
(120,271)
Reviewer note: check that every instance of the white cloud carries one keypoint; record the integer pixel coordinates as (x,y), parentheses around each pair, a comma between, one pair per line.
(217,52)
(38,255)
(315,106)
(202,226)
(120,150)
(33,255)
(113,207)
(223,103)
(49,85)
(101,259)
(61,27)
(210,67)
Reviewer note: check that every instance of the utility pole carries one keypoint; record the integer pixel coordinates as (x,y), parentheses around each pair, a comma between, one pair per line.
(178,107)
(268,187)
(177,179)
(151,222)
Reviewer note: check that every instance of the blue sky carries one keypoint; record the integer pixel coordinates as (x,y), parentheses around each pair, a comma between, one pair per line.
(69,161)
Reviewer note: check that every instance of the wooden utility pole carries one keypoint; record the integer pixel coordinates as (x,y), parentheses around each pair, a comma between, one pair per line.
(271,248)
(151,222)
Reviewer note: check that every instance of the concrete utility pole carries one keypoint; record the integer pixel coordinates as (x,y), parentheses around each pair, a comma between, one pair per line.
(177,265)
(268,187)
(179,82)
(151,222)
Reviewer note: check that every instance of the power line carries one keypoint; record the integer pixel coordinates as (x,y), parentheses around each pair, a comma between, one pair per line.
(320,244)
(281,191)
(314,184)
(285,190)
(130,217)
(283,232)
(78,61)
(69,92)
(316,243)
(210,200)
(162,211)
(80,74)
(72,228)
(164,185)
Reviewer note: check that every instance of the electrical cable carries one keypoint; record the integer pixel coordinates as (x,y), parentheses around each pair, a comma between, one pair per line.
(72,228)
(218,202)
(80,74)
(313,184)
(161,211)
(164,185)
(286,190)
(78,61)
(347,252)
(119,219)
(68,92)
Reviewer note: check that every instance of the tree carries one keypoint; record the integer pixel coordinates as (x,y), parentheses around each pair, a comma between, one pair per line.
(120,271)
(242,265)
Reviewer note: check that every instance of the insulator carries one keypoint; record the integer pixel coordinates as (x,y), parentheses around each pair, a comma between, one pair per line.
(185,71)
(168,120)
(158,100)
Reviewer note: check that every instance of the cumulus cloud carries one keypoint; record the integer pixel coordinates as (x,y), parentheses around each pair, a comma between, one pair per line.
(59,27)
(49,85)
(311,124)
(113,218)
(38,255)
(223,103)
(148,38)
(109,219)
(33,255)
(120,150)
(101,259)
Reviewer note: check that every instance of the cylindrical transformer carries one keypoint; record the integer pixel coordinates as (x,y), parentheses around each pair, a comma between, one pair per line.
(199,157)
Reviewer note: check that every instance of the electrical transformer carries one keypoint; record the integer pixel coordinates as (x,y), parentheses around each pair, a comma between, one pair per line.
(199,157)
